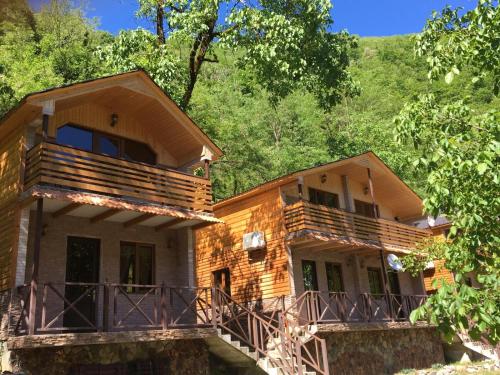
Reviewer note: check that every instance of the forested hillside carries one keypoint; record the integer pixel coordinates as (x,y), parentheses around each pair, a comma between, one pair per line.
(260,141)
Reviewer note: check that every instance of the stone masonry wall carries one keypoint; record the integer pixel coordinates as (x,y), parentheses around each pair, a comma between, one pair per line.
(382,351)
(189,357)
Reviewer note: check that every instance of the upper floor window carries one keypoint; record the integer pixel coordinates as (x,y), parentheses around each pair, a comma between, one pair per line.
(76,137)
(366,209)
(324,198)
(106,144)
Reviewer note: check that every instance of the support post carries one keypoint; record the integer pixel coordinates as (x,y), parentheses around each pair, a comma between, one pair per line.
(207,168)
(45,126)
(300,186)
(385,280)
(206,158)
(347,193)
(372,195)
(35,266)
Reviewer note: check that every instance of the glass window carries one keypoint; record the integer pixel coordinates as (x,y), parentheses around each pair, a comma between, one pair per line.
(334,277)
(222,280)
(108,145)
(137,151)
(74,136)
(309,275)
(105,144)
(365,208)
(136,264)
(324,198)
(375,281)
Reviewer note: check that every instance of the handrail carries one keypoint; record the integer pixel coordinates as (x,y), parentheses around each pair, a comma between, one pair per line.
(304,215)
(53,164)
(262,335)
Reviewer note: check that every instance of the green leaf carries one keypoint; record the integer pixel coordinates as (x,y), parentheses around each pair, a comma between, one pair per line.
(448,78)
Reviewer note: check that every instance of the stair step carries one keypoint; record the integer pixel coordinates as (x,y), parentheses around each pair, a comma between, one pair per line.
(236,344)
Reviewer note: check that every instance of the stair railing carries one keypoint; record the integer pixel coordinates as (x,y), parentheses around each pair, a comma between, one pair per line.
(270,338)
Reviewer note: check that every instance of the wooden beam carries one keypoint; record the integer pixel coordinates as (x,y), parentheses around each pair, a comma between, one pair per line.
(169,224)
(27,202)
(137,220)
(104,215)
(202,225)
(66,209)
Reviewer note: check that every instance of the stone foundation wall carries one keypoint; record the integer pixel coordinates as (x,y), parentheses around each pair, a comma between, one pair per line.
(189,357)
(382,351)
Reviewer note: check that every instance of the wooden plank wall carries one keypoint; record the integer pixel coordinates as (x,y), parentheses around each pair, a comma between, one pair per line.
(439,272)
(259,274)
(11,150)
(94,116)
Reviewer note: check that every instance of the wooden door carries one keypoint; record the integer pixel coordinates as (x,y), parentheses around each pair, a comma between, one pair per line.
(82,266)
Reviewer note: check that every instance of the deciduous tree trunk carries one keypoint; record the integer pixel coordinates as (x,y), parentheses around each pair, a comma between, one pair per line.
(160,19)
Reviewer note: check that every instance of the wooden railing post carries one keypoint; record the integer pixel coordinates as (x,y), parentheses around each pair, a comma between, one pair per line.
(298,355)
(214,306)
(163,307)
(105,307)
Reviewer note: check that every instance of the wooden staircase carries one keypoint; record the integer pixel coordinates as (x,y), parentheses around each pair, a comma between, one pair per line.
(267,342)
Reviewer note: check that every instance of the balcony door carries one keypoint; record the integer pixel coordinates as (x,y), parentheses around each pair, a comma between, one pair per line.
(82,267)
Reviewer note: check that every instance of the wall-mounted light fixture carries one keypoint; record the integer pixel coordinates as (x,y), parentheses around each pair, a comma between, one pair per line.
(323,178)
(366,190)
(114,119)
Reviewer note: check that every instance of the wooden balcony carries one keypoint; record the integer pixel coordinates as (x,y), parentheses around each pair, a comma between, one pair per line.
(70,168)
(305,216)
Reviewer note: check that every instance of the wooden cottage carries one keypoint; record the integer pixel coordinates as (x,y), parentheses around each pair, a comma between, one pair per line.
(327,234)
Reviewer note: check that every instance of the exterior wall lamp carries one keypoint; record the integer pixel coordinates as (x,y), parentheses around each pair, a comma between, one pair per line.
(114,119)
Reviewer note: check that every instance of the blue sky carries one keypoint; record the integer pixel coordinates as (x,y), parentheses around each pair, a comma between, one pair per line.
(363,17)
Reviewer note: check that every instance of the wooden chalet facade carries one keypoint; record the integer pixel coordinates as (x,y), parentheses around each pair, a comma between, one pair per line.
(99,202)
(328,232)
(109,239)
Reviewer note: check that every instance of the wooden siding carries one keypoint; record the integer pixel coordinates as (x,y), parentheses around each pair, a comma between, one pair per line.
(11,160)
(254,275)
(97,117)
(58,165)
(439,272)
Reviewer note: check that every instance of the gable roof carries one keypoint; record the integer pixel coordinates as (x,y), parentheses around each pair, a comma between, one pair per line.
(136,80)
(367,159)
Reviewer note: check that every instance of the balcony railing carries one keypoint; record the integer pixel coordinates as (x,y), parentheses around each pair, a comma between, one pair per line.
(307,216)
(316,307)
(52,164)
(107,307)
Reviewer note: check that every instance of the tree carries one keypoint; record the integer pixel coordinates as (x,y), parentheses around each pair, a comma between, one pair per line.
(452,40)
(286,44)
(459,150)
(52,47)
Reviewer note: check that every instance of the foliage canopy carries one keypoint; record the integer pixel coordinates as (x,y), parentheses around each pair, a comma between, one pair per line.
(459,152)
